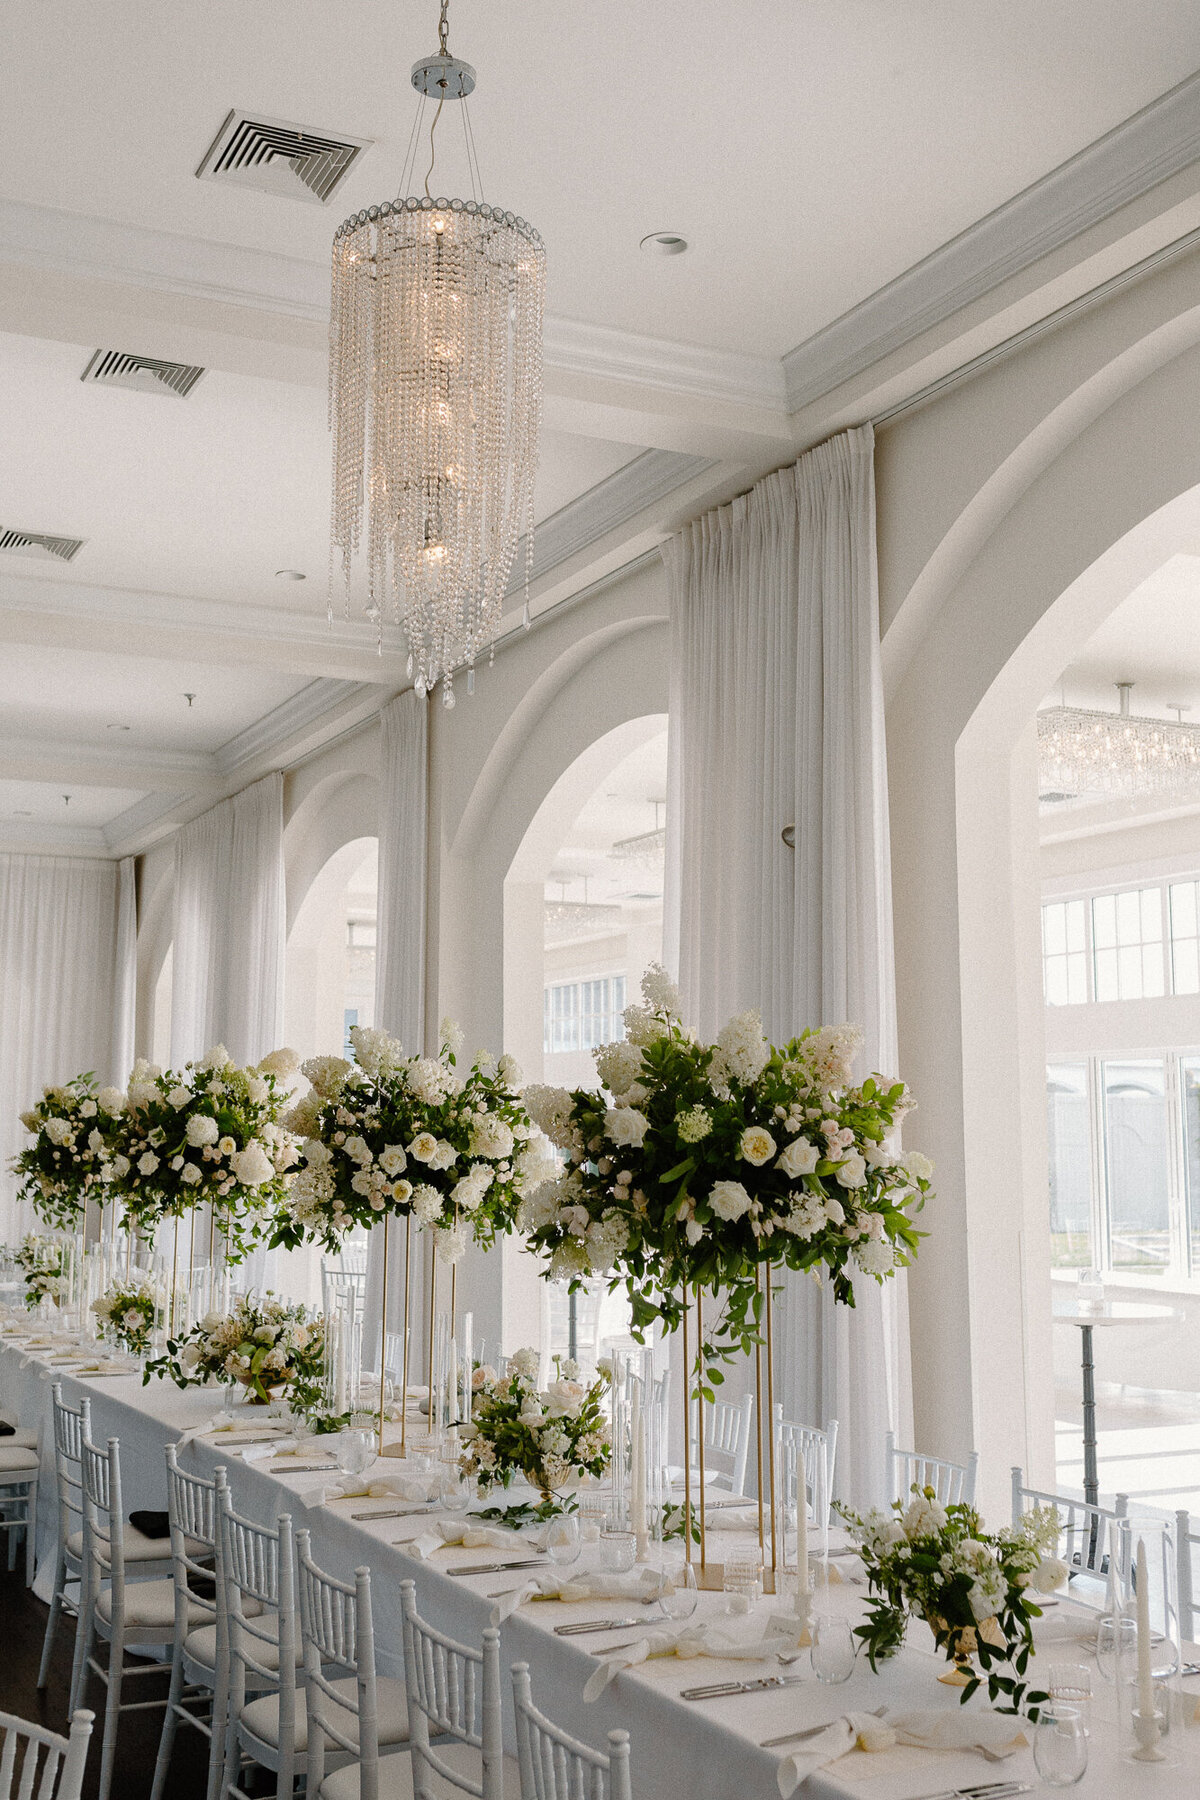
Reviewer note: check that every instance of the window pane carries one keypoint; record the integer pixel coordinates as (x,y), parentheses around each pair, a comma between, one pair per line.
(1189,1084)
(1129,972)
(1077,978)
(1183,909)
(1136,1152)
(1152,971)
(1054,928)
(1185,967)
(1074,910)
(1056,981)
(1151,915)
(1106,974)
(1104,921)
(1070,1166)
(1128,918)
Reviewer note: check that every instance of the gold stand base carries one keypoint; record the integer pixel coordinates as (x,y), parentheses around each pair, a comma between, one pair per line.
(711,1578)
(393,1450)
(956,1676)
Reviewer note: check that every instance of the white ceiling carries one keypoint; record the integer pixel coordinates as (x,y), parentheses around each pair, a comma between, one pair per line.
(35,803)
(1151,639)
(809,152)
(622,807)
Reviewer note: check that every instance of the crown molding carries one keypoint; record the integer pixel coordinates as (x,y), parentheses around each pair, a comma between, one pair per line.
(38,839)
(106,765)
(643,482)
(133,830)
(319,710)
(578,348)
(1126,163)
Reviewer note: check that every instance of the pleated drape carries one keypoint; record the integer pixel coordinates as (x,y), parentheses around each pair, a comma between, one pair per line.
(229,927)
(58,955)
(777,719)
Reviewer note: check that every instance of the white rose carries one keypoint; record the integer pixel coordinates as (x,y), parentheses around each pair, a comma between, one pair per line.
(853,1172)
(191,1174)
(147,1163)
(179,1097)
(392,1160)
(257,1089)
(88,1110)
(423,1147)
(444,1155)
(626,1126)
(798,1158)
(401,1191)
(729,1199)
(111,1099)
(120,1166)
(189,1356)
(916,1166)
(252,1166)
(201,1130)
(757,1146)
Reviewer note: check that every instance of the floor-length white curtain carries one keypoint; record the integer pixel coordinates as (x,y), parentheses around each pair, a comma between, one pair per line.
(58,937)
(777,718)
(124,1014)
(229,927)
(400,968)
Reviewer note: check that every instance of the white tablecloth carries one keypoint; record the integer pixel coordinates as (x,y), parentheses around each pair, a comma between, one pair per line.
(681,1750)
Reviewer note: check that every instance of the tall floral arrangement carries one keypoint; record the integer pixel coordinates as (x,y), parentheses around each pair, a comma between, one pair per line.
(549,1436)
(66,1166)
(414,1137)
(265,1345)
(209,1135)
(131,1310)
(700,1164)
(975,1589)
(42,1261)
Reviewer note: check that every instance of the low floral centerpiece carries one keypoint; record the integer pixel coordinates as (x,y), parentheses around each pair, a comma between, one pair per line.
(268,1346)
(43,1263)
(410,1136)
(701,1164)
(209,1135)
(66,1165)
(548,1436)
(975,1589)
(131,1311)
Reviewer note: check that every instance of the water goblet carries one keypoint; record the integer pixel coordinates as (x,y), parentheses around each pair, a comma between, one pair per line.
(1060,1746)
(833,1649)
(561,1539)
(354,1451)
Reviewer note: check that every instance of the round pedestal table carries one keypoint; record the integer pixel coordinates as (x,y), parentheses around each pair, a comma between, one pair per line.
(1088,1319)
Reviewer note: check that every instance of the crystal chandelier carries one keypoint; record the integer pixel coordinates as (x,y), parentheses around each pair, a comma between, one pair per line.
(1083,751)
(435,400)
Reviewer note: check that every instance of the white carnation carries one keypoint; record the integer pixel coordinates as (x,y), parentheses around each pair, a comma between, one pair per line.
(201,1130)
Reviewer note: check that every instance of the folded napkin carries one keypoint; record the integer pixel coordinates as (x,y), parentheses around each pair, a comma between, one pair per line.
(480,1537)
(414,1488)
(278,1446)
(1065,1625)
(957,1730)
(720,1638)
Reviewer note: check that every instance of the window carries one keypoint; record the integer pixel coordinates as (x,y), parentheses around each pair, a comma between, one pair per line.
(360,934)
(1137,1153)
(1189,1107)
(1185,937)
(579,1015)
(1064,953)
(1127,944)
(1069,1129)
(350,1020)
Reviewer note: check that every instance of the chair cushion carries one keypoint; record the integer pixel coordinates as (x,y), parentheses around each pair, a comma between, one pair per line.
(25,1437)
(14,1456)
(396,1782)
(261,1717)
(139,1548)
(149,1603)
(202,1645)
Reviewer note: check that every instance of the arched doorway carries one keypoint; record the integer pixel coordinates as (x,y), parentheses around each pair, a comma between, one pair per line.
(330,968)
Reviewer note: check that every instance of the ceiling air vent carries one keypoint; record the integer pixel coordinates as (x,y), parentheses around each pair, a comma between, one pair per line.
(37,543)
(144,374)
(279,158)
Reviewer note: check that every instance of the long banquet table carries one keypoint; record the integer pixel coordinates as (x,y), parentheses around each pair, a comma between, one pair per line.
(681,1751)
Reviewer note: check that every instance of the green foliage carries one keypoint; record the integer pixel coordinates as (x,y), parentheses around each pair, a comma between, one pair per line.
(66,1166)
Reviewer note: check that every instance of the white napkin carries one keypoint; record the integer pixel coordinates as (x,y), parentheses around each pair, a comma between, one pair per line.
(634,1585)
(1065,1626)
(252,1453)
(481,1537)
(932,1730)
(718,1637)
(414,1488)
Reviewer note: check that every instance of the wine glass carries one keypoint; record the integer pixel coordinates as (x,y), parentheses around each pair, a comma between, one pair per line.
(679,1596)
(1060,1747)
(833,1649)
(561,1539)
(355,1451)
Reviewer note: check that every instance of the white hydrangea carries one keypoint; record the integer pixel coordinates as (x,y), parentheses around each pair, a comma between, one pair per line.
(659,991)
(525,1363)
(217,1058)
(827,1056)
(742,1051)
(327,1074)
(450,1035)
(449,1243)
(806,1217)
(111,1100)
(282,1062)
(550,1110)
(643,1027)
(618,1065)
(58,1131)
(492,1138)
(510,1073)
(874,1257)
(916,1166)
(426,1204)
(430,1080)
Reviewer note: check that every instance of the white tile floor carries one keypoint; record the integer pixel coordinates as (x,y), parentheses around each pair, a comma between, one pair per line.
(1149,1446)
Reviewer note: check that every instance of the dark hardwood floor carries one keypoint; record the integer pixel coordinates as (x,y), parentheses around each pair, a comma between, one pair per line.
(22,1626)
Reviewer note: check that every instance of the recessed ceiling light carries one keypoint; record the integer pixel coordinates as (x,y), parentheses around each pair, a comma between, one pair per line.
(664,243)
(22,813)
(290,575)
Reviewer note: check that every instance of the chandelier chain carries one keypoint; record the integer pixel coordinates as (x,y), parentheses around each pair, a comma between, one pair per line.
(444,29)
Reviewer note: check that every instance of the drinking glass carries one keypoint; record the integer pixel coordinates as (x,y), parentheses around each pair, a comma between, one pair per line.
(355,1451)
(561,1539)
(744,1574)
(618,1550)
(678,1601)
(1060,1747)
(1116,1644)
(1070,1684)
(833,1649)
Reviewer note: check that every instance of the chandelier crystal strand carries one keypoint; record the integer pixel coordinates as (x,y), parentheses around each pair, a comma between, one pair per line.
(1083,751)
(435,401)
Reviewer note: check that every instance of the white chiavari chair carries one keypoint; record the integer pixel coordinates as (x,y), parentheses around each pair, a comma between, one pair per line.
(804,1458)
(69,1423)
(199,1662)
(555,1766)
(952,1482)
(1187,1542)
(263,1647)
(1083,1534)
(727,1425)
(20,1463)
(343,1286)
(113,1610)
(49,1765)
(345,1709)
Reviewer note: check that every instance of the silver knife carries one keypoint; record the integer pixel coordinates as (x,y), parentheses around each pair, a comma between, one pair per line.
(719,1689)
(988,1790)
(287,1468)
(492,1568)
(595,1625)
(394,1512)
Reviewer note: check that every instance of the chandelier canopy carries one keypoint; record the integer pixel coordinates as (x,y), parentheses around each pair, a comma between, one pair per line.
(1084,751)
(435,402)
